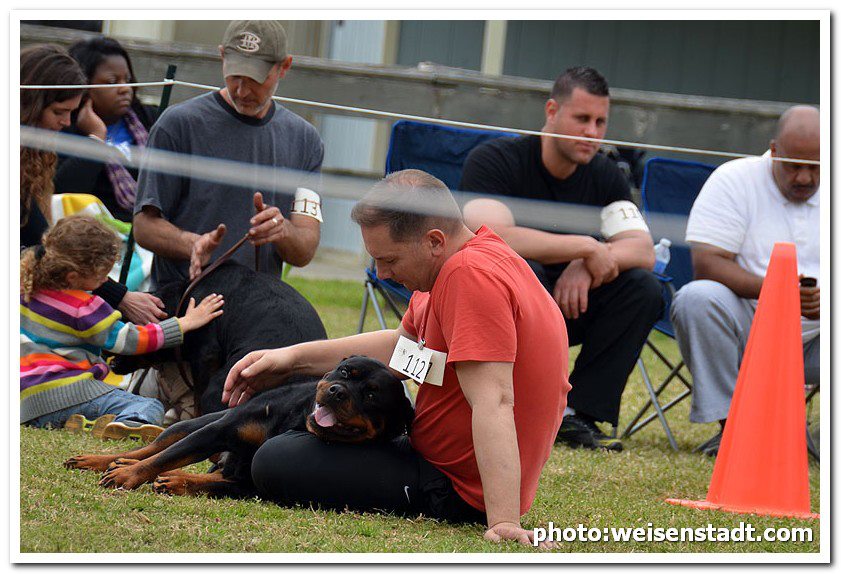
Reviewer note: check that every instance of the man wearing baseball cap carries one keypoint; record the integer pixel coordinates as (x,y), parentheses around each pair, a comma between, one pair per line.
(189,222)
(253,50)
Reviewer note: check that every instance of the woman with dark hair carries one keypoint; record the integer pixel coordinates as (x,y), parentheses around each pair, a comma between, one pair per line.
(112,115)
(50,110)
(49,65)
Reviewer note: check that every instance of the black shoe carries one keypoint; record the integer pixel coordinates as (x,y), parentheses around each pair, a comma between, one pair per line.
(581,431)
(710,448)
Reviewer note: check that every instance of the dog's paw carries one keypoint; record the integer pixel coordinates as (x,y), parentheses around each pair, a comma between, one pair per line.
(125,477)
(175,484)
(95,462)
(176,472)
(122,462)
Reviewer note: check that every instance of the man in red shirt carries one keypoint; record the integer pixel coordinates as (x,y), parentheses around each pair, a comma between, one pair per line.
(485,421)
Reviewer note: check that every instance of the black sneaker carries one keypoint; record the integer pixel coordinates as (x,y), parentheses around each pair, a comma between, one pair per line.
(581,431)
(710,448)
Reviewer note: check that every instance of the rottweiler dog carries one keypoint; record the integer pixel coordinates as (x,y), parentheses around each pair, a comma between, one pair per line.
(360,400)
(261,312)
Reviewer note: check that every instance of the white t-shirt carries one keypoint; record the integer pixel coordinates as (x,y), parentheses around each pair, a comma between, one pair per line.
(741,210)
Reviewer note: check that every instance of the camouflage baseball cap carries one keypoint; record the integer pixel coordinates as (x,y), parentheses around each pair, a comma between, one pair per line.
(252,47)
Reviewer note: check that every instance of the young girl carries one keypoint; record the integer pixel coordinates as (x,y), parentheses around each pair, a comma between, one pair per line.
(64,328)
(47,64)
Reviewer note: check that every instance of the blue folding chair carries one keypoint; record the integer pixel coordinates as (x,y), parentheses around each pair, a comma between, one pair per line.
(669,186)
(438,150)
(393,293)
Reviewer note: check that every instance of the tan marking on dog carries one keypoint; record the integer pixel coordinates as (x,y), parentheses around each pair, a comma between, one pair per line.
(128,477)
(147,470)
(321,391)
(123,462)
(95,462)
(363,422)
(176,472)
(101,462)
(188,484)
(252,433)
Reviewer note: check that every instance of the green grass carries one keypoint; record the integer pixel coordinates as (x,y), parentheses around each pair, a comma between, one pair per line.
(65,511)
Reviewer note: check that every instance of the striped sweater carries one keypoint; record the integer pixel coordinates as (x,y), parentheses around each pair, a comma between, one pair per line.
(62,335)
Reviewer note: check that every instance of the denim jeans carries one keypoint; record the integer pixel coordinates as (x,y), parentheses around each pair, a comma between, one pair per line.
(127,407)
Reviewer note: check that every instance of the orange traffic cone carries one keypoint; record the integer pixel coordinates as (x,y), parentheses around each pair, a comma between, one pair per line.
(761,466)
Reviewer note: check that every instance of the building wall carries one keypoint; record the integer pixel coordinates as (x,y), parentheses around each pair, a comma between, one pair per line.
(352,140)
(757,60)
(304,36)
(205,32)
(456,43)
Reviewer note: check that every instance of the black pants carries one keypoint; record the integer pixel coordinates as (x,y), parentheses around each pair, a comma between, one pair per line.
(612,332)
(299,468)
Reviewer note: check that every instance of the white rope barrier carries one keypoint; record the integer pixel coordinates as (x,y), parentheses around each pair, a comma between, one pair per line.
(439,121)
(570,218)
(94,86)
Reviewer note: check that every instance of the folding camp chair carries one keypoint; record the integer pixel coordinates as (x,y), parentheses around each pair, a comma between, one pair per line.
(668,186)
(813,429)
(438,150)
(394,294)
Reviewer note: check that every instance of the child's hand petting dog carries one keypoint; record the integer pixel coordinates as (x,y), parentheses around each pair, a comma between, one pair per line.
(199,316)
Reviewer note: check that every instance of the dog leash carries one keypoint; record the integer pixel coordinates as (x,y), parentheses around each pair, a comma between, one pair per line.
(179,360)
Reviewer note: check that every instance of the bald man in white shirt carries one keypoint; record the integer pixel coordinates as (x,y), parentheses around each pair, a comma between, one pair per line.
(745,207)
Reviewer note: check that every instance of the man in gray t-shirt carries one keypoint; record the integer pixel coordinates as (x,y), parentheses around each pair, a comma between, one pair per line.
(188,222)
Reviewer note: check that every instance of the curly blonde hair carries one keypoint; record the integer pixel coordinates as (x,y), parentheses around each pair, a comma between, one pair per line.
(78,243)
(45,64)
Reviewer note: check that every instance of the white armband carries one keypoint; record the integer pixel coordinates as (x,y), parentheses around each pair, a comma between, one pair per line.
(307,202)
(621,216)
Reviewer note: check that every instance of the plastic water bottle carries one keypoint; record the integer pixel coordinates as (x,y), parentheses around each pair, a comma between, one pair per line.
(662,256)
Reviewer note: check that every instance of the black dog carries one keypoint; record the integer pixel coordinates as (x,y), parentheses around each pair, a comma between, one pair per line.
(260,312)
(358,401)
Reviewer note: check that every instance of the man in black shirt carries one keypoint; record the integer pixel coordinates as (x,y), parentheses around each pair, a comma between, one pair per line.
(606,292)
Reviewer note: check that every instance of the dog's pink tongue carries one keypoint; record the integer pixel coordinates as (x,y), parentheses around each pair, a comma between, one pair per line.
(324,416)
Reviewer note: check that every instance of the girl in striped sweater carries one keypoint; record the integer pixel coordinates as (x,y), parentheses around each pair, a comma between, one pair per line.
(64,328)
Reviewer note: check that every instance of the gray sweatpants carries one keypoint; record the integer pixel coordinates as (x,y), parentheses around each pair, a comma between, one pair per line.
(711,326)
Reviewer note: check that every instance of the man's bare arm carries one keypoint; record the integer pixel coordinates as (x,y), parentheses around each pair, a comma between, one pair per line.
(632,249)
(489,389)
(269,368)
(153,232)
(717,264)
(318,357)
(295,239)
(540,246)
(299,246)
